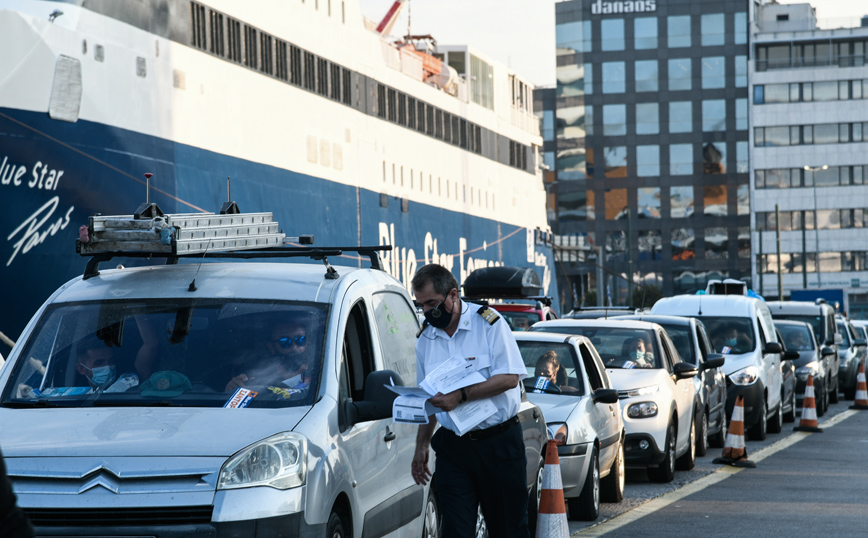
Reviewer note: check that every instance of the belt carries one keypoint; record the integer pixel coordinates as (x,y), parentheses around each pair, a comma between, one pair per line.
(487,433)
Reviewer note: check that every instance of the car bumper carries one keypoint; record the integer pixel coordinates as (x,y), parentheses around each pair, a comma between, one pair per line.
(753,401)
(573,468)
(636,457)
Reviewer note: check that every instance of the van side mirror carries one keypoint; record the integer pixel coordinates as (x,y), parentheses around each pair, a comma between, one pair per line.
(378,400)
(684,370)
(714,360)
(607,396)
(773,347)
(827,351)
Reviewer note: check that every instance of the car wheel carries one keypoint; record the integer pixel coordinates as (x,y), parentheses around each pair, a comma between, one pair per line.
(688,460)
(586,507)
(850,392)
(431,521)
(702,434)
(833,394)
(777,422)
(757,432)
(666,471)
(533,500)
(718,439)
(612,487)
(822,402)
(337,526)
(790,416)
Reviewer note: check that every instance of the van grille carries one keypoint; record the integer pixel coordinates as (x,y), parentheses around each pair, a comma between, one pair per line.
(126,517)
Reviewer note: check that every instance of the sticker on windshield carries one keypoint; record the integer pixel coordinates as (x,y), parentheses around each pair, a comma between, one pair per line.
(541,384)
(725,350)
(628,365)
(240,398)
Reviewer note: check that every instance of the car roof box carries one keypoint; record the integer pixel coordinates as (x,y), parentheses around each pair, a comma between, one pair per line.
(503,283)
(729,286)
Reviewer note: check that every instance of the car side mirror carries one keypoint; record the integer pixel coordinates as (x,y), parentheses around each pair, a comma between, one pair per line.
(684,370)
(773,347)
(378,400)
(606,396)
(714,360)
(827,351)
(860,342)
(791,355)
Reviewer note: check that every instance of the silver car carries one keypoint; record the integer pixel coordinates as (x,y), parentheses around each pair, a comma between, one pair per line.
(567,380)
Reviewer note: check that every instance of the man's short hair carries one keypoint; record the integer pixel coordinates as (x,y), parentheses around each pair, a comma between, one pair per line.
(441,277)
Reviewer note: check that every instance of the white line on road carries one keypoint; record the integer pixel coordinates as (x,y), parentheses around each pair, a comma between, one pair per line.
(718,476)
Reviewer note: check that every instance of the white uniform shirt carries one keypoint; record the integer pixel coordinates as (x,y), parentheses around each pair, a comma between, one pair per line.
(493,348)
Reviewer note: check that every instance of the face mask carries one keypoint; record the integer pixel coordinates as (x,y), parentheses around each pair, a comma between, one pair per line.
(439,317)
(731,342)
(637,355)
(102,375)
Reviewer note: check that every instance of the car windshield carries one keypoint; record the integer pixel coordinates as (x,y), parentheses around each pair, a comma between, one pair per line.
(520,321)
(683,340)
(618,347)
(796,337)
(186,353)
(552,363)
(814,321)
(845,336)
(730,334)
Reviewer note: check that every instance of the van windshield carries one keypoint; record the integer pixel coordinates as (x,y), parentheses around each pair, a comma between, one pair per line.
(186,353)
(730,334)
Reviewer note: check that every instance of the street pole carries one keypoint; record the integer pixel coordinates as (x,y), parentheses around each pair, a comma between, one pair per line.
(804,257)
(816,236)
(778,239)
(629,259)
(600,283)
(760,264)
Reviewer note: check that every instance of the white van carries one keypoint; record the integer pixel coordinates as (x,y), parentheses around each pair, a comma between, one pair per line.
(753,354)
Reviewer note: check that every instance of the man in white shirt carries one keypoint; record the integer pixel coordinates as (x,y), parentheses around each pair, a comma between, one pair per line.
(486,466)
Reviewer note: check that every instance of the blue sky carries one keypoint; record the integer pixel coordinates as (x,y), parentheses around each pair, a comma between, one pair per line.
(520,33)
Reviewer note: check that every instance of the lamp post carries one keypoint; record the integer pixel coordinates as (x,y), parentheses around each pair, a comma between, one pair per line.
(813,169)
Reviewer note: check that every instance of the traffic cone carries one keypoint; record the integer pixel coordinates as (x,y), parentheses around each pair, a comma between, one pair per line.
(861,390)
(734,452)
(552,514)
(808,422)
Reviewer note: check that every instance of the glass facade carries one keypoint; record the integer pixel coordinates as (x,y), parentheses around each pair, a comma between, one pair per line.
(667,162)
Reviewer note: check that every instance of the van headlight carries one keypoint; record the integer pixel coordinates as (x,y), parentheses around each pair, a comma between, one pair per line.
(745,377)
(809,369)
(642,410)
(278,462)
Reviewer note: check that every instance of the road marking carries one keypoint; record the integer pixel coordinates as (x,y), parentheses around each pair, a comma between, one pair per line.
(719,475)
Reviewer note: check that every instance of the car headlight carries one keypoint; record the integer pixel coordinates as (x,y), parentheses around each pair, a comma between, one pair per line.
(559,432)
(278,462)
(809,369)
(642,410)
(642,391)
(746,376)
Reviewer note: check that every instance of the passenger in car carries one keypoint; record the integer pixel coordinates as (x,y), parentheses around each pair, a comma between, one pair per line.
(728,337)
(796,341)
(633,350)
(287,362)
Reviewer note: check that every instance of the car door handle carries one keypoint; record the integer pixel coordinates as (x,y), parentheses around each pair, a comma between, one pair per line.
(390,436)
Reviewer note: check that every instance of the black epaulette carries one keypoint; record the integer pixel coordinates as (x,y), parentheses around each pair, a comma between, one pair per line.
(488,314)
(424,326)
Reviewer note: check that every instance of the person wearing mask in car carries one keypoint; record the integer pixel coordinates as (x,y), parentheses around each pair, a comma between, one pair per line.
(13,521)
(728,338)
(486,466)
(635,351)
(287,362)
(96,362)
(550,368)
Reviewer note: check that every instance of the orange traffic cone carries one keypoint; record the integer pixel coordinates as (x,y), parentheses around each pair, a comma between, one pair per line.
(861,390)
(552,513)
(734,452)
(808,422)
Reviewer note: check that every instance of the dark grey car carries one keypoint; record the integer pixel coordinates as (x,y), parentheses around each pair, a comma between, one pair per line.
(693,344)
(813,361)
(852,352)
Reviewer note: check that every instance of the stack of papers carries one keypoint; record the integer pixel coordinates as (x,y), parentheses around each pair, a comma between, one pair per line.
(412,405)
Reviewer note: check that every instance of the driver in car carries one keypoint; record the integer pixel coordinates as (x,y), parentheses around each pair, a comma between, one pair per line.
(286,368)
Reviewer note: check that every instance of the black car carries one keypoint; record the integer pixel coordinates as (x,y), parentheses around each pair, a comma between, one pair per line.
(813,361)
(694,346)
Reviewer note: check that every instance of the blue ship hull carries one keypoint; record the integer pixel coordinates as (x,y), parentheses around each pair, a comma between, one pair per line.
(53,175)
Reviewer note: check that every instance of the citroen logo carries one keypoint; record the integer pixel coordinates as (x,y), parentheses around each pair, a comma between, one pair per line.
(101,476)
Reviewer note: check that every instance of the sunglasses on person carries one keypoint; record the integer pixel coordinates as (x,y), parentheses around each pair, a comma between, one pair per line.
(287,341)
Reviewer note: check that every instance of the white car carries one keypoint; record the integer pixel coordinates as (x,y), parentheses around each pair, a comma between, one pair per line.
(656,391)
(580,407)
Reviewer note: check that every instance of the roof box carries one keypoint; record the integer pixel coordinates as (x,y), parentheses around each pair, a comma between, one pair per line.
(729,286)
(503,283)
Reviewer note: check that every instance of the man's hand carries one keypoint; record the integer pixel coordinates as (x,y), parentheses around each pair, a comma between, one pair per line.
(237,382)
(421,473)
(446,402)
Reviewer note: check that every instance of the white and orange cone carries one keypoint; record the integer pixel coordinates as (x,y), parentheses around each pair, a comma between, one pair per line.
(808,421)
(552,513)
(861,390)
(734,452)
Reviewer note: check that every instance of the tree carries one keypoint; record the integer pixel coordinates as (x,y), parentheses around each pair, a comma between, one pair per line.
(646,296)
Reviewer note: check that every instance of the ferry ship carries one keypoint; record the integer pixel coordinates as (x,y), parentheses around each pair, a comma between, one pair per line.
(314,112)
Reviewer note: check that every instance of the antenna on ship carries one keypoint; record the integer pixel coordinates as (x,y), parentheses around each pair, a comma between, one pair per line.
(148,210)
(229,207)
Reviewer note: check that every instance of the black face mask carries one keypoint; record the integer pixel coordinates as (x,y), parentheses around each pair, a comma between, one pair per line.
(439,317)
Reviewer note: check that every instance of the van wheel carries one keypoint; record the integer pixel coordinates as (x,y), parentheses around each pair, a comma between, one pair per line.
(586,507)
(757,432)
(666,471)
(431,518)
(336,527)
(688,460)
(612,487)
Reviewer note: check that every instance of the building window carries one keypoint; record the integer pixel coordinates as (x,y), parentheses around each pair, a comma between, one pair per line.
(616,204)
(678,31)
(614,77)
(713,31)
(647,118)
(573,37)
(742,157)
(716,243)
(645,33)
(714,158)
(741,114)
(680,116)
(614,120)
(740,23)
(571,122)
(714,115)
(742,194)
(714,199)
(680,76)
(682,242)
(648,161)
(680,202)
(648,202)
(681,159)
(741,71)
(612,34)
(646,76)
(615,161)
(713,72)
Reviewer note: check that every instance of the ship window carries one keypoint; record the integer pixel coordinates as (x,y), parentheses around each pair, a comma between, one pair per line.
(335,82)
(233,34)
(250,47)
(99,53)
(197,17)
(402,109)
(463,133)
(218,45)
(347,86)
(322,75)
(391,104)
(141,67)
(447,128)
(381,101)
(280,54)
(420,116)
(266,51)
(456,137)
(295,65)
(429,120)
(411,113)
(309,71)
(438,125)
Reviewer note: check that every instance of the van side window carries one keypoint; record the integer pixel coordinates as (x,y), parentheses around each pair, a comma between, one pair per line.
(594,376)
(358,351)
(397,324)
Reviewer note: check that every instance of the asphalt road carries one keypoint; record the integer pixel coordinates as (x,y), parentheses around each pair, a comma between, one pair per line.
(804,485)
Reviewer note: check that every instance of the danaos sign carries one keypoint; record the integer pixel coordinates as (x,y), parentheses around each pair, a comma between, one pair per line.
(628,6)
